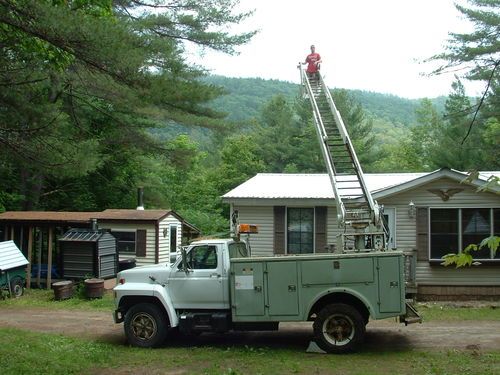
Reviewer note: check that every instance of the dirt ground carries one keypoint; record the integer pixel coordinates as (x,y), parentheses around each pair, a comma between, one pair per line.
(380,336)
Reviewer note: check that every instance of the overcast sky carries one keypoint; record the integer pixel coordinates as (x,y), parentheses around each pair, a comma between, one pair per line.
(373,45)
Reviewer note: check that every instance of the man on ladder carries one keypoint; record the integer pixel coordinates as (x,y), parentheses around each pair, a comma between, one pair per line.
(313,60)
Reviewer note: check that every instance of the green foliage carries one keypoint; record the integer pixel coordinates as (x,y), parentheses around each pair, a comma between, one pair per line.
(465,258)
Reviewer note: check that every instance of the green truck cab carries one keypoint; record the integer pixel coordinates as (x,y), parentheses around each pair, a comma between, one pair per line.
(216,287)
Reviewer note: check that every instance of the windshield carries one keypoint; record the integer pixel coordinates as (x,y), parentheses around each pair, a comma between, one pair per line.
(238,250)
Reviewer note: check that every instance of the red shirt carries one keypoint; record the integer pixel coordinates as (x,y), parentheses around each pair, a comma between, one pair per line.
(311,60)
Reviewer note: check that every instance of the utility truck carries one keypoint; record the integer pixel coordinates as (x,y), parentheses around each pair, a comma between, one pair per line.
(217,286)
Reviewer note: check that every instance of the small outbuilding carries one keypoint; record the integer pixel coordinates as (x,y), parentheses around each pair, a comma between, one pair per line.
(88,253)
(12,268)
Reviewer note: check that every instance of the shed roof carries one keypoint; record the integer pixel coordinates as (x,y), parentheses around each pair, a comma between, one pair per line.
(48,216)
(85,217)
(11,256)
(124,214)
(317,186)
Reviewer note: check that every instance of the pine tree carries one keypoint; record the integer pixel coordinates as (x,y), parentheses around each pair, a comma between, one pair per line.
(82,79)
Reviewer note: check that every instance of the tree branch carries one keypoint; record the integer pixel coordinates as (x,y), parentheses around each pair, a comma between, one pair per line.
(482,100)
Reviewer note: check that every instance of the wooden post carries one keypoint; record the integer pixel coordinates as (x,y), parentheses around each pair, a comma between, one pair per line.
(39,257)
(49,258)
(30,253)
(12,233)
(21,239)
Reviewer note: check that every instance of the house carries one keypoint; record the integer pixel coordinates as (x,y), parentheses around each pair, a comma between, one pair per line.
(431,214)
(148,236)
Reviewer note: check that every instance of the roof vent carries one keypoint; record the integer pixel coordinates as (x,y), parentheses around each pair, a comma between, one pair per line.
(140,199)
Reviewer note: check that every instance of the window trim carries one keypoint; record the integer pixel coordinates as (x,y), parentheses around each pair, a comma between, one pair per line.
(460,244)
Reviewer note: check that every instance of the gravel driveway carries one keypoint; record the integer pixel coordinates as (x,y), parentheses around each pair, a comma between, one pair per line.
(380,336)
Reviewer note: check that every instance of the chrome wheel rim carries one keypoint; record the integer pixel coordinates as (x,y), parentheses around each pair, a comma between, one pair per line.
(338,329)
(143,326)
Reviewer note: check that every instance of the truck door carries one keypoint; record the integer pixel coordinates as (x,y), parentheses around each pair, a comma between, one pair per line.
(202,286)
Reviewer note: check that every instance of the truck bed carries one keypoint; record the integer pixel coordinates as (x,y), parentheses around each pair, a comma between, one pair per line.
(285,288)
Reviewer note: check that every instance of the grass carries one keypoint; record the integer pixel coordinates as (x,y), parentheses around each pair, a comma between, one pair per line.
(45,299)
(449,312)
(55,354)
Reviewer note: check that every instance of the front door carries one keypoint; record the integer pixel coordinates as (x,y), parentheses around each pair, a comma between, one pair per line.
(202,286)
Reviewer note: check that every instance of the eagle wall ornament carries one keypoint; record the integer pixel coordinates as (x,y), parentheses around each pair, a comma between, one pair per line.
(445,194)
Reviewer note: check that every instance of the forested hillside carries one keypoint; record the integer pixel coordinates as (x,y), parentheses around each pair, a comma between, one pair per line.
(98,98)
(245,97)
(392,116)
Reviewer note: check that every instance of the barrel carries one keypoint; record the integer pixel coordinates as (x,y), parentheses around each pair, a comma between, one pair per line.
(94,288)
(63,290)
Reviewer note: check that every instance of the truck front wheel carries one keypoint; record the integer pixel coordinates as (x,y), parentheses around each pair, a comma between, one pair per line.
(339,328)
(145,325)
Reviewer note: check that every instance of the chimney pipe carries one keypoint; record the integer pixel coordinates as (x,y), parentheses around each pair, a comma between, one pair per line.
(94,225)
(140,199)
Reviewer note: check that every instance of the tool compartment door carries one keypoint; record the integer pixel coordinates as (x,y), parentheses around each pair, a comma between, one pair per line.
(389,285)
(247,289)
(282,288)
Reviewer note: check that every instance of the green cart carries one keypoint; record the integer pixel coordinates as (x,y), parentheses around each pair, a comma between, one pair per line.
(12,268)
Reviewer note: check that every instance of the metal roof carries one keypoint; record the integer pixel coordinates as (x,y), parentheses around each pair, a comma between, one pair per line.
(11,256)
(317,186)
(81,235)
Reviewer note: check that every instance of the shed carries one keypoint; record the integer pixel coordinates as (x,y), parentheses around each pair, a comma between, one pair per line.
(10,256)
(12,272)
(88,253)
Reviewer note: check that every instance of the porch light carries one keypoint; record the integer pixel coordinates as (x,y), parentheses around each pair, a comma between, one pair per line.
(412,210)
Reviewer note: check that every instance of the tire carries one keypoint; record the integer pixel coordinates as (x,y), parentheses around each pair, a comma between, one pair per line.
(17,287)
(339,328)
(145,325)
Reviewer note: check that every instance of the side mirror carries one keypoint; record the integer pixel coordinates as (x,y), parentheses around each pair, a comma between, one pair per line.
(185,267)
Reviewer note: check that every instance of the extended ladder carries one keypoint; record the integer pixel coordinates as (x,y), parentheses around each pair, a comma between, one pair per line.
(355,206)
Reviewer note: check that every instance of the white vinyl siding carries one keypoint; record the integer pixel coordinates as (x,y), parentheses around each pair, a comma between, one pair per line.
(261,243)
(435,274)
(164,245)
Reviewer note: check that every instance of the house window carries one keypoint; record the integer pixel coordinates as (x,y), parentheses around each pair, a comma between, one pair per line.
(452,230)
(475,227)
(300,230)
(125,242)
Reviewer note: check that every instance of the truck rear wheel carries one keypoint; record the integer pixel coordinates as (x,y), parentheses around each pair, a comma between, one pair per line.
(145,325)
(339,328)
